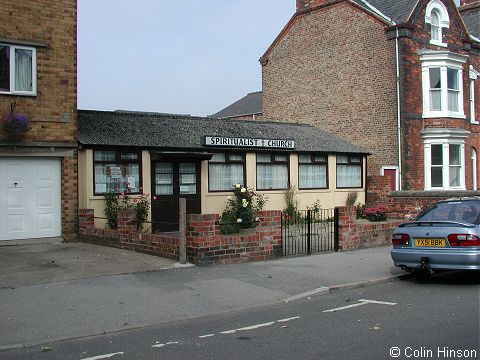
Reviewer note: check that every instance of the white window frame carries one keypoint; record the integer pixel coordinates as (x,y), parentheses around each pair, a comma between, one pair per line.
(444,137)
(443,60)
(436,6)
(473,75)
(12,91)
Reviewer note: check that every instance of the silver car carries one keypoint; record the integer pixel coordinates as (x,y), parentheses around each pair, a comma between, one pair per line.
(444,236)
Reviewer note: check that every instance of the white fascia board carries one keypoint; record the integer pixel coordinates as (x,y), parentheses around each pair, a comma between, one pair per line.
(378,12)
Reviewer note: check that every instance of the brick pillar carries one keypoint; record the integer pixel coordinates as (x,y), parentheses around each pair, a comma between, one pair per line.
(269,228)
(201,229)
(85,220)
(348,237)
(126,224)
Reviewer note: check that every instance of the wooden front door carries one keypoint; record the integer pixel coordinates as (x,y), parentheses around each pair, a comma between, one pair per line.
(392,174)
(172,180)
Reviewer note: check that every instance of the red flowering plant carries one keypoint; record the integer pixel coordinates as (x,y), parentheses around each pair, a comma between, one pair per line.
(15,125)
(376,213)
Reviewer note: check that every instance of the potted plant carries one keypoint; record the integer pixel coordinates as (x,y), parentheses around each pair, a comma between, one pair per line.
(15,125)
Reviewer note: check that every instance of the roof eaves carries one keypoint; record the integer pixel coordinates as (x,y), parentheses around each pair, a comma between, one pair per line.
(376,11)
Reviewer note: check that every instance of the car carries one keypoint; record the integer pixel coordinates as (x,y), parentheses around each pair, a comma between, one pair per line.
(446,235)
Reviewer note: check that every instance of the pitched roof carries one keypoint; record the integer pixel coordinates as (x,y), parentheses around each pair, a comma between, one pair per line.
(179,132)
(397,10)
(248,105)
(471,18)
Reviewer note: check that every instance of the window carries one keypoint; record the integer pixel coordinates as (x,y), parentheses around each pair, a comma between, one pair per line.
(349,171)
(17,69)
(116,171)
(473,75)
(442,84)
(312,172)
(272,172)
(437,16)
(444,159)
(435,27)
(224,171)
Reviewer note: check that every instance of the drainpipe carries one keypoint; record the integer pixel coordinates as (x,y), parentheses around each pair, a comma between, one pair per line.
(399,126)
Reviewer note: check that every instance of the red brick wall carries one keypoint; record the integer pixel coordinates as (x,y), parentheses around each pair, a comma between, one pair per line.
(412,104)
(52,111)
(355,234)
(126,236)
(334,68)
(378,189)
(205,245)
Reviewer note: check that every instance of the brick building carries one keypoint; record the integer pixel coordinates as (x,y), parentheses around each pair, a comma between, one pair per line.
(336,63)
(38,168)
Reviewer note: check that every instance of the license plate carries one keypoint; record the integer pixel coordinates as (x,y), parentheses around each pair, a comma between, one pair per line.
(431,242)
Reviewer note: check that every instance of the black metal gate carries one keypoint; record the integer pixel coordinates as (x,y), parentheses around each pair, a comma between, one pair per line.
(309,231)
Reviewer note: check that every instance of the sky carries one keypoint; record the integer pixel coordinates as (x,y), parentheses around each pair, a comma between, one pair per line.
(173,56)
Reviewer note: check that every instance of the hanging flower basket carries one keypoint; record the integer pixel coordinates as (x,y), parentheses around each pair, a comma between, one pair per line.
(15,126)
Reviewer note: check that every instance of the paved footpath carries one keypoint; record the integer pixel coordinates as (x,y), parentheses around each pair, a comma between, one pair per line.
(44,312)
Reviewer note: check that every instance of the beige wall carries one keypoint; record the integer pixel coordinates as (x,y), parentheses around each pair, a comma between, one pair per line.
(214,203)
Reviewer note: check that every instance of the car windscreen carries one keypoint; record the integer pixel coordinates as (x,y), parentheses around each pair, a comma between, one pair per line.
(458,211)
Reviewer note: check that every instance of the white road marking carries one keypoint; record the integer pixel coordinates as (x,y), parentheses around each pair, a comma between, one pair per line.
(168,343)
(306,294)
(360,303)
(103,356)
(253,327)
(206,336)
(378,302)
(228,332)
(288,319)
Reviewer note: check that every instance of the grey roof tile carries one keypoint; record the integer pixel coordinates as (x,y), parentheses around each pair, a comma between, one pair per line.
(471,18)
(179,132)
(397,10)
(248,105)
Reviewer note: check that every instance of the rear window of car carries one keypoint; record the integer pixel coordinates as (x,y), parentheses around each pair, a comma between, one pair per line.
(458,211)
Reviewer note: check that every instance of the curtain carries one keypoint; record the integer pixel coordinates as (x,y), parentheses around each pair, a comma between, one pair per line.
(272,176)
(224,176)
(23,70)
(349,176)
(312,176)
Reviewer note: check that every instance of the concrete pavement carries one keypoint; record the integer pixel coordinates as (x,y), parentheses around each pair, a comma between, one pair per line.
(38,312)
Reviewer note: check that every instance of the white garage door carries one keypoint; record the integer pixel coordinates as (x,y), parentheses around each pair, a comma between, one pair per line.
(29,198)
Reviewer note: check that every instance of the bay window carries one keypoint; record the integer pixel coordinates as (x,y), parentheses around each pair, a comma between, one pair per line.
(444,155)
(116,171)
(225,170)
(17,69)
(349,171)
(272,172)
(442,84)
(312,171)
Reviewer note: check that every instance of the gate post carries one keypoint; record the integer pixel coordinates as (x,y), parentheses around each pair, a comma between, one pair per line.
(309,232)
(336,235)
(182,228)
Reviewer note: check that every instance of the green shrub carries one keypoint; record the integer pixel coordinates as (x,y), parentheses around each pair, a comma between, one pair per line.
(241,209)
(351,198)
(123,202)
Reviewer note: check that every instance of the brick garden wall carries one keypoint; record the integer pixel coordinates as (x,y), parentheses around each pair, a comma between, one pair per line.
(205,245)
(126,236)
(354,234)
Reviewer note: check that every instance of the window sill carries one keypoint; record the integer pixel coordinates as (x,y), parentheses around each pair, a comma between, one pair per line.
(447,189)
(474,122)
(444,115)
(18,94)
(438,43)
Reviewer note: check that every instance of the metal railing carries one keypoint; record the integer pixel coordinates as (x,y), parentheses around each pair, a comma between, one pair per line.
(309,231)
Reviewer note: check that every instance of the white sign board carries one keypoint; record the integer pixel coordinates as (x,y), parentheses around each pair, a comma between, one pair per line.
(248,142)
